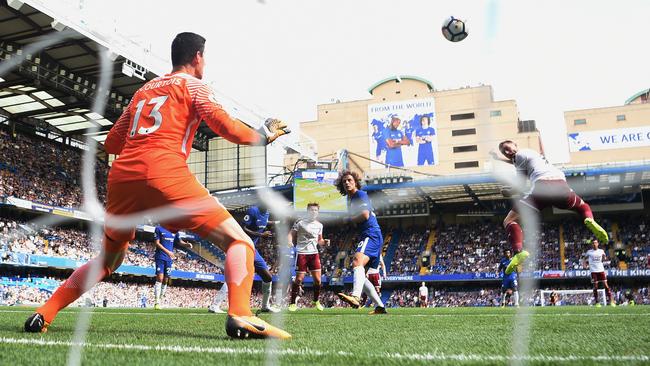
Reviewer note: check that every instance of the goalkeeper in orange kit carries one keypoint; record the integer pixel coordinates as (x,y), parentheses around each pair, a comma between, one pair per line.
(153,139)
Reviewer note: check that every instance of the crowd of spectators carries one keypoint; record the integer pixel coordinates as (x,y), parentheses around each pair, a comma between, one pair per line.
(632,246)
(634,234)
(445,298)
(463,248)
(407,254)
(42,171)
(268,249)
(460,248)
(121,294)
(22,295)
(75,244)
(577,240)
(492,297)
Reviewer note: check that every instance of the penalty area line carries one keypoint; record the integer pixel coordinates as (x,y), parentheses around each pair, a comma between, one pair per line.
(317,353)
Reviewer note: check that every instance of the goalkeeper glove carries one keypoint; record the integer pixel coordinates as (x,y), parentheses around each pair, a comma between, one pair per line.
(272,129)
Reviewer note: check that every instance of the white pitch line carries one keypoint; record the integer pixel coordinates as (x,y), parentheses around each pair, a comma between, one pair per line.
(318,353)
(346,315)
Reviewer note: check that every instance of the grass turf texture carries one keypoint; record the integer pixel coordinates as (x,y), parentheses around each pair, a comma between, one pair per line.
(568,335)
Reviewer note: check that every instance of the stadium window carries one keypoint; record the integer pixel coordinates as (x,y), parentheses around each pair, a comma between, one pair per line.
(467,148)
(397,92)
(526,126)
(620,117)
(496,113)
(463,132)
(466,164)
(457,117)
(579,121)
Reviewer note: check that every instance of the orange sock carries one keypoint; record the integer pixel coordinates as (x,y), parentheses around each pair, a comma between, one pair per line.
(71,290)
(78,283)
(239,277)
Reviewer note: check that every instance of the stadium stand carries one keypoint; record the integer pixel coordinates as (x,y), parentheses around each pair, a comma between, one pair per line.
(460,248)
(577,238)
(491,297)
(54,180)
(17,237)
(468,248)
(411,244)
(635,237)
(21,291)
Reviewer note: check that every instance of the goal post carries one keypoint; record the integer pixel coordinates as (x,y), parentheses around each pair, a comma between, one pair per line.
(544,293)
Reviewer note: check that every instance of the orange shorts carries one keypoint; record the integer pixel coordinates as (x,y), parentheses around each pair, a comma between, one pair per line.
(183,203)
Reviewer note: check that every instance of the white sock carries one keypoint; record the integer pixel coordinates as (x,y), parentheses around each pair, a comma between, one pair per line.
(221,295)
(162,290)
(359,279)
(266,294)
(156,291)
(503,299)
(370,290)
(516,297)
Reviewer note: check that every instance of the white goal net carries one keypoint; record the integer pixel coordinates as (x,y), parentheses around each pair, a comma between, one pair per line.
(571,297)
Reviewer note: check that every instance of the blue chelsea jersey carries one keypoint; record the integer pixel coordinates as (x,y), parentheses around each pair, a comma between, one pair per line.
(358,203)
(167,239)
(256,220)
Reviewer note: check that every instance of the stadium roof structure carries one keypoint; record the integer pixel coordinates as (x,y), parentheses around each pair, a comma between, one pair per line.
(399,79)
(605,179)
(53,88)
(645,93)
(478,190)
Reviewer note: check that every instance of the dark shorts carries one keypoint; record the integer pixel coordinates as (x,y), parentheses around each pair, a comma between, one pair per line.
(260,263)
(371,246)
(423,299)
(307,262)
(556,193)
(375,279)
(163,266)
(509,284)
(598,277)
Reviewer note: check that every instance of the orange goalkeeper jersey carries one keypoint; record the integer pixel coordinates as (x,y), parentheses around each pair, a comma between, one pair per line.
(153,136)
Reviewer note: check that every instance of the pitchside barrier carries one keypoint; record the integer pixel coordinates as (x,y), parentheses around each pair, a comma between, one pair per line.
(22,259)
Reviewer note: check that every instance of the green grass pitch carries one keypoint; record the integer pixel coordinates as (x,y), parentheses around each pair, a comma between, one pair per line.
(448,336)
(325,194)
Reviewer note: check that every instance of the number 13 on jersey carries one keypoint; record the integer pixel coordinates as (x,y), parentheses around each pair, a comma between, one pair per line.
(155,114)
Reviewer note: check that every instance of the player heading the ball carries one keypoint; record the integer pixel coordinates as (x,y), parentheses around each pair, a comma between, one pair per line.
(549,188)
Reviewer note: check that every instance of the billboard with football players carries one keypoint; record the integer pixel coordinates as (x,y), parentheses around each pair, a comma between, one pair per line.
(403,134)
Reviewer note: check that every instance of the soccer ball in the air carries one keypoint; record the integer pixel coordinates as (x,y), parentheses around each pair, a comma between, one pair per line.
(454,29)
